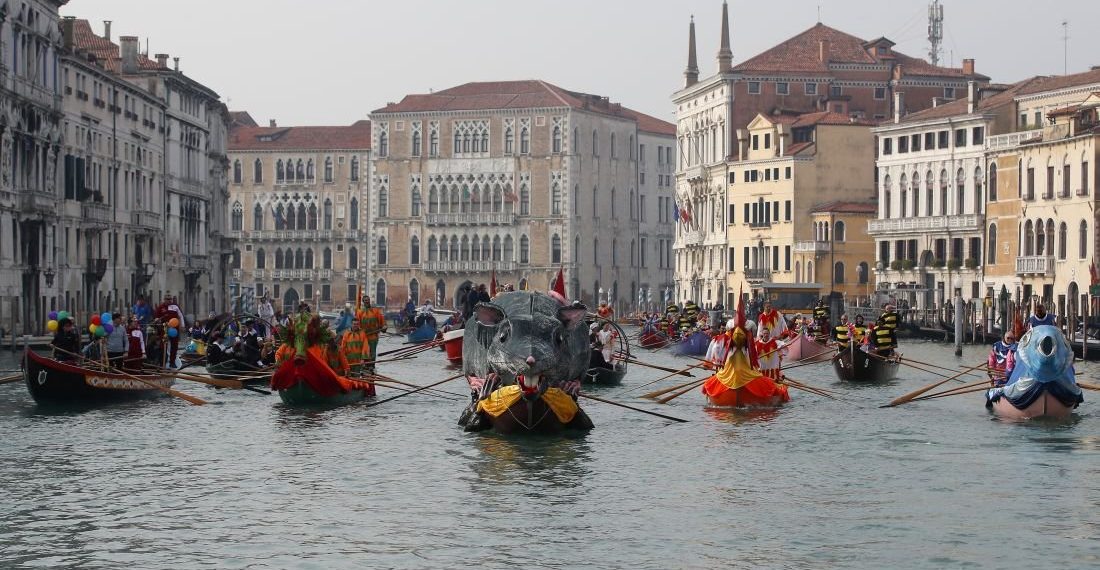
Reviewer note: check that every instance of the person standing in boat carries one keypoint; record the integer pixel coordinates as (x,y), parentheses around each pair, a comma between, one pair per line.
(768,354)
(65,339)
(135,345)
(1002,359)
(1040,317)
(266,312)
(889,318)
(883,340)
(606,339)
(822,316)
(772,320)
(844,332)
(371,322)
(116,341)
(356,347)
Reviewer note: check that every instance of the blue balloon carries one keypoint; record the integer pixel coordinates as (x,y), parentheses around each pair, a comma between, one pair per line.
(173,333)
(105,318)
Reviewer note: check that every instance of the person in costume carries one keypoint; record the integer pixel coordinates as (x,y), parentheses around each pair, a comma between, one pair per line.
(65,339)
(772,320)
(1040,317)
(604,311)
(1002,359)
(739,382)
(822,316)
(135,345)
(719,346)
(356,347)
(606,339)
(768,353)
(371,322)
(889,318)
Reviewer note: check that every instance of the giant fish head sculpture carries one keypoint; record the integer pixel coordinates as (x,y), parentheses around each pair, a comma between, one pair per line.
(527,338)
(1044,354)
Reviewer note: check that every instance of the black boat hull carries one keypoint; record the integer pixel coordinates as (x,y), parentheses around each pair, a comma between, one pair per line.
(53,382)
(858,366)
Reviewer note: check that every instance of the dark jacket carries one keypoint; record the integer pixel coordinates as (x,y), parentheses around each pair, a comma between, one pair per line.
(68,341)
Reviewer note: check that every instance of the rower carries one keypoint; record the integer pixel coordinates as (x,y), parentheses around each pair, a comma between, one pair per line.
(821,315)
(1002,359)
(884,340)
(888,319)
(1040,317)
(768,354)
(772,320)
(843,332)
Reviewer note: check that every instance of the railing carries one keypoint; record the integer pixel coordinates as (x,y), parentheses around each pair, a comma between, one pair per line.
(1010,139)
(470,218)
(258,273)
(696,172)
(926,223)
(96,212)
(312,235)
(31,201)
(298,274)
(692,237)
(236,274)
(468,266)
(188,185)
(351,274)
(325,274)
(813,246)
(758,274)
(1035,265)
(145,219)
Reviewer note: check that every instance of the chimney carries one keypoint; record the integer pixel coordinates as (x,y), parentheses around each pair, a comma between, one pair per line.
(968,67)
(742,144)
(691,74)
(67,24)
(823,51)
(162,60)
(271,123)
(129,53)
(899,103)
(107,30)
(725,54)
(971,96)
(176,60)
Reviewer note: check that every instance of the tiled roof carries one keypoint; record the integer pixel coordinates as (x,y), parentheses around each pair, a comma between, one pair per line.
(353,137)
(105,51)
(844,207)
(801,54)
(796,148)
(959,106)
(241,119)
(1062,82)
(524,94)
(829,118)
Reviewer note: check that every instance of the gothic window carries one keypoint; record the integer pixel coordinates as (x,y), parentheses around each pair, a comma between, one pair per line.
(433,249)
(555,199)
(383,144)
(299,259)
(508,249)
(309,258)
(311,172)
(471,137)
(353,257)
(261,258)
(509,136)
(328,169)
(257,171)
(524,200)
(454,253)
(943,192)
(475,248)
(1063,237)
(555,137)
(496,248)
(416,138)
(355,169)
(414,291)
(524,249)
(238,217)
(279,175)
(278,258)
(433,138)
(415,206)
(991,245)
(433,200)
(414,251)
(992,182)
(354,214)
(280,218)
(382,251)
(258,218)
(555,249)
(313,216)
(326,258)
(838,272)
(465,251)
(485,244)
(524,139)
(960,191)
(328,214)
(838,231)
(383,202)
(380,292)
(237,175)
(301,170)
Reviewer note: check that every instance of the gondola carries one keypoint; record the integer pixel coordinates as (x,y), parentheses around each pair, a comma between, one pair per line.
(694,344)
(452,345)
(52,382)
(653,340)
(606,376)
(858,366)
(805,348)
(424,333)
(312,383)
(609,373)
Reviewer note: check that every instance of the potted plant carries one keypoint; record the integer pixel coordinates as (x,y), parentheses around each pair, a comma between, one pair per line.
(937,262)
(954,263)
(895,264)
(908,264)
(970,263)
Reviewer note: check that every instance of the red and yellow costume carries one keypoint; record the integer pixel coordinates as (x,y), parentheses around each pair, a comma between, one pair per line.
(773,321)
(604,311)
(356,346)
(371,321)
(739,382)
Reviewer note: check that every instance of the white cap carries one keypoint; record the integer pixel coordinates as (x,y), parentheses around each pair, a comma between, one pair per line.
(731,323)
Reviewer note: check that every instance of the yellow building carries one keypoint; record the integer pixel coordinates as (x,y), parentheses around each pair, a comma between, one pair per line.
(789,165)
(840,253)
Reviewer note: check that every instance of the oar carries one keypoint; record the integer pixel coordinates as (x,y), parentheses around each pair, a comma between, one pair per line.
(12,378)
(805,388)
(432,393)
(915,367)
(911,395)
(675,395)
(655,393)
(983,383)
(674,372)
(662,378)
(591,397)
(372,404)
(380,378)
(910,362)
(233,384)
(1089,386)
(945,394)
(176,393)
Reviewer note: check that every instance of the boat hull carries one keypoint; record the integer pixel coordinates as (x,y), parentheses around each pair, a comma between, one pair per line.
(694,345)
(858,366)
(53,382)
(535,417)
(653,341)
(605,376)
(452,345)
(422,334)
(1045,406)
(806,349)
(301,395)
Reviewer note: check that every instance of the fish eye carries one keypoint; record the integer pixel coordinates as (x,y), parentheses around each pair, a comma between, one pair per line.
(1026,339)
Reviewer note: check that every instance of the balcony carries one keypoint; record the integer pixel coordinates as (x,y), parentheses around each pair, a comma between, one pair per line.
(1011,139)
(965,222)
(351,274)
(296,235)
(96,213)
(145,220)
(96,268)
(1038,265)
(236,273)
(293,274)
(468,266)
(258,273)
(471,219)
(691,237)
(758,274)
(695,173)
(813,246)
(37,202)
(193,263)
(325,274)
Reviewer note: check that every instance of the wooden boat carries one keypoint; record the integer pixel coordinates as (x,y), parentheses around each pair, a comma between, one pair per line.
(694,345)
(50,382)
(805,348)
(235,369)
(1045,406)
(653,340)
(858,366)
(1043,382)
(424,333)
(312,383)
(302,395)
(452,344)
(606,376)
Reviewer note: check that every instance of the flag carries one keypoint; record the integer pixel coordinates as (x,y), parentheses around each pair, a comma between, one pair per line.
(511,196)
(1094,274)
(675,212)
(493,284)
(559,283)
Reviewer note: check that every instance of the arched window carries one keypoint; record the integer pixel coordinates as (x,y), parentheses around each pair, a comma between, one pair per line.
(280,218)
(1063,237)
(979,182)
(383,202)
(416,199)
(353,258)
(279,175)
(524,249)
(1083,240)
(496,248)
(509,249)
(886,189)
(354,168)
(328,169)
(555,199)
(380,293)
(1040,238)
(326,258)
(237,174)
(278,258)
(595,143)
(838,272)
(303,171)
(433,249)
(258,218)
(433,199)
(328,214)
(313,216)
(485,245)
(261,258)
(309,258)
(384,144)
(524,140)
(414,251)
(301,217)
(1050,237)
(863,269)
(914,185)
(991,245)
(555,249)
(465,252)
(929,192)
(993,182)
(555,139)
(236,259)
(354,213)
(960,191)
(414,291)
(524,200)
(238,217)
(509,139)
(454,248)
(838,231)
(299,259)
(383,251)
(1029,238)
(903,203)
(475,248)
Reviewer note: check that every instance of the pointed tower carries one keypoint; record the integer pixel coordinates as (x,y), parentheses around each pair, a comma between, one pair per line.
(691,74)
(725,54)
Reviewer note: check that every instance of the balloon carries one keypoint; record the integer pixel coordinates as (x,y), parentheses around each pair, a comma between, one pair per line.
(173,333)
(110,328)
(62,315)
(100,332)
(96,320)
(52,325)
(91,329)
(174,323)
(53,315)
(105,317)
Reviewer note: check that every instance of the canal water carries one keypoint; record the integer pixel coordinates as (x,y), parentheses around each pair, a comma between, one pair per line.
(248,483)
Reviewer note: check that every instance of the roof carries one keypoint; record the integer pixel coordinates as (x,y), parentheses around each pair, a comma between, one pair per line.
(801,54)
(1042,84)
(522,94)
(959,107)
(829,118)
(353,137)
(241,119)
(843,207)
(104,51)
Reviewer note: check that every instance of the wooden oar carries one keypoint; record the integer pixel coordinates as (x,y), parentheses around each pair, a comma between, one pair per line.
(387,379)
(433,393)
(232,384)
(187,397)
(1089,386)
(910,362)
(983,383)
(12,378)
(805,388)
(655,393)
(674,372)
(902,360)
(675,395)
(418,389)
(911,395)
(945,394)
(591,397)
(661,378)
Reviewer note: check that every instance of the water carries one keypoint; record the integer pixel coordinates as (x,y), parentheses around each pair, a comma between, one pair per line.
(247,483)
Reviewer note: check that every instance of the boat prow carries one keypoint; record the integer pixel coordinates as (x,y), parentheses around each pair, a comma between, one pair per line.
(452,344)
(1046,406)
(859,366)
(53,382)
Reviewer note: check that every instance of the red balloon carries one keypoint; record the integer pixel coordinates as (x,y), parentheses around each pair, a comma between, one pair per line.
(96,319)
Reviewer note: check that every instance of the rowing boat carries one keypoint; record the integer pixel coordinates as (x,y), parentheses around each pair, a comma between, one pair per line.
(50,381)
(858,366)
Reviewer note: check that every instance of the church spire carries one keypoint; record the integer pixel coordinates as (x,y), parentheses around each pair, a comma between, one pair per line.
(725,55)
(691,74)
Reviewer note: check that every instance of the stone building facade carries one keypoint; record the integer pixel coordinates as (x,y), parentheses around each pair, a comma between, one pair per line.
(516,179)
(298,200)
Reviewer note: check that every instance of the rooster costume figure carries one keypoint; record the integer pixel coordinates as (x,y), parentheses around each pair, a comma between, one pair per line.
(740,382)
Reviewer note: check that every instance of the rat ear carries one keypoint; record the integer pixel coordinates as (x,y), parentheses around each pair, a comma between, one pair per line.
(488,314)
(572,315)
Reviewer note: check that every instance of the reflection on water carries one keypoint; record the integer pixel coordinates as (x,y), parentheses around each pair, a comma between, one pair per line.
(738,416)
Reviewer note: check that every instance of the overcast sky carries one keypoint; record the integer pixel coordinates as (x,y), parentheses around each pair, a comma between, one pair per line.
(330,62)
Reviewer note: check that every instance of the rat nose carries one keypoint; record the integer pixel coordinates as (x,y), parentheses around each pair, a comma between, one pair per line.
(530,361)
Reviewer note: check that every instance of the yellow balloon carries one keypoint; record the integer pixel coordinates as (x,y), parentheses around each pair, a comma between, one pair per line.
(91,329)
(51,326)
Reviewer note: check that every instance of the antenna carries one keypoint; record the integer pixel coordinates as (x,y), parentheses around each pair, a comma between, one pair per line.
(819,13)
(935,31)
(1065,47)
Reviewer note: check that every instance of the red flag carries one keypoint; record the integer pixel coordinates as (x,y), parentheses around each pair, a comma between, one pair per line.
(559,284)
(1094,274)
(493,284)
